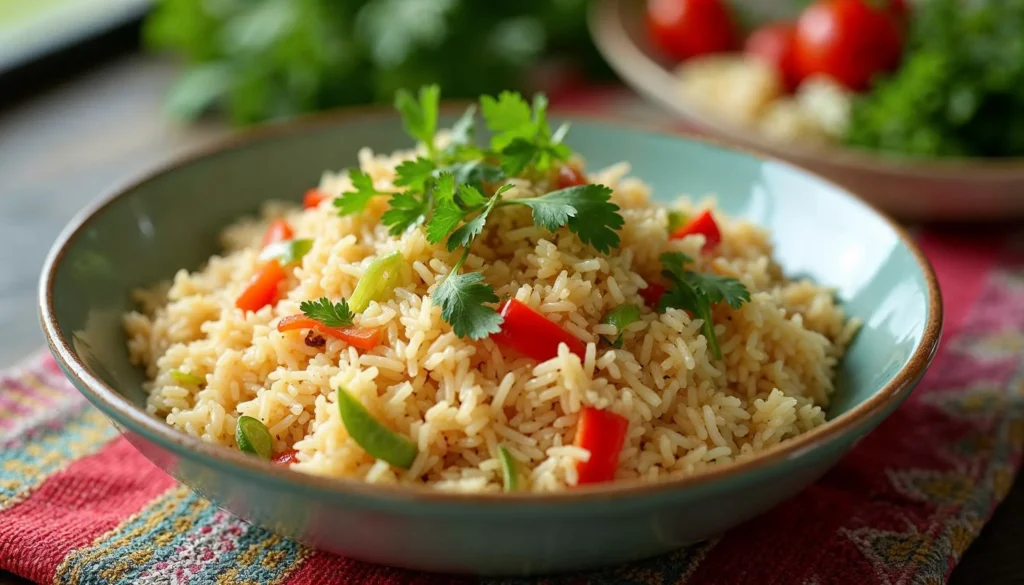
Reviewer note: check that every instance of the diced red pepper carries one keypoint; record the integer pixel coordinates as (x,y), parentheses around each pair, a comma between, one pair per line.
(569,176)
(652,294)
(277,231)
(531,334)
(286,458)
(358,337)
(603,433)
(312,198)
(262,290)
(703,224)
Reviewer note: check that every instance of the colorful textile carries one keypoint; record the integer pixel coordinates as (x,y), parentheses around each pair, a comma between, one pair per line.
(79,505)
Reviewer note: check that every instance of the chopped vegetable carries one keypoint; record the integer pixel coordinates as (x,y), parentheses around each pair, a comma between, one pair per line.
(358,337)
(621,317)
(286,457)
(851,41)
(262,290)
(652,294)
(379,281)
(704,224)
(288,251)
(186,378)
(277,231)
(375,438)
(688,28)
(603,433)
(676,219)
(528,332)
(252,437)
(328,313)
(569,176)
(696,292)
(509,474)
(313,198)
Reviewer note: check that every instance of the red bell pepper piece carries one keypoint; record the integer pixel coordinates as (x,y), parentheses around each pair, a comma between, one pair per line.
(531,334)
(312,198)
(286,458)
(277,231)
(603,433)
(262,291)
(704,224)
(569,176)
(652,294)
(358,337)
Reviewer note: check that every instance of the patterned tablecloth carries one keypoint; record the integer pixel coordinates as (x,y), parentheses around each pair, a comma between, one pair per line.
(79,505)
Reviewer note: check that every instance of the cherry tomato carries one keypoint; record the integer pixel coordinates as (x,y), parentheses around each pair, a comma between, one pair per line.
(687,28)
(899,11)
(851,41)
(773,44)
(569,176)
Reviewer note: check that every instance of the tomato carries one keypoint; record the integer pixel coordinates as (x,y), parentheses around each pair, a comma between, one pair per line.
(687,28)
(277,231)
(850,41)
(773,44)
(899,11)
(569,176)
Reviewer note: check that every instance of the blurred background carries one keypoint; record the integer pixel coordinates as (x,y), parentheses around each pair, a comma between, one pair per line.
(919,104)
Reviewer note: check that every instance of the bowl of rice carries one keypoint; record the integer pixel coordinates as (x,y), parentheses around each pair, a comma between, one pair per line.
(487,341)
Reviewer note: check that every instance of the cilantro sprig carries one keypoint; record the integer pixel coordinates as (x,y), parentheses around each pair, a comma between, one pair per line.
(452,192)
(698,292)
(327,313)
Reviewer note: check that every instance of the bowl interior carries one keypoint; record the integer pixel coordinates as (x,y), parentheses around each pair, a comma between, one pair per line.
(171,221)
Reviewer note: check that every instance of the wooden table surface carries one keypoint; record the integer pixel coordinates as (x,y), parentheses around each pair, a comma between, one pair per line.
(66,143)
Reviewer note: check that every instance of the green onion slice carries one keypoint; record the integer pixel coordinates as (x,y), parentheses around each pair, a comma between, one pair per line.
(288,251)
(621,316)
(675,220)
(509,475)
(375,438)
(186,378)
(253,437)
(381,279)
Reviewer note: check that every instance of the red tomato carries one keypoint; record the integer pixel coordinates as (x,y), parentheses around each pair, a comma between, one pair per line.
(848,40)
(277,231)
(312,198)
(900,11)
(569,176)
(773,44)
(687,28)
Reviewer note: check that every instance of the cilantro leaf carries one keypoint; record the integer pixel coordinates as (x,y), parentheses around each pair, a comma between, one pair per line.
(720,288)
(447,213)
(462,129)
(288,251)
(327,313)
(464,236)
(404,211)
(461,298)
(420,116)
(621,317)
(674,262)
(507,117)
(414,173)
(475,172)
(470,196)
(518,155)
(682,295)
(585,209)
(356,201)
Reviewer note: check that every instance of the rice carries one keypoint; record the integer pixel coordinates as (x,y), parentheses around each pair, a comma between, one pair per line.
(458,399)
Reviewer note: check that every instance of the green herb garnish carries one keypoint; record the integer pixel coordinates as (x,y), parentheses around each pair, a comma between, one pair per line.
(356,201)
(252,437)
(509,474)
(621,317)
(420,115)
(375,438)
(328,313)
(288,251)
(697,292)
(186,378)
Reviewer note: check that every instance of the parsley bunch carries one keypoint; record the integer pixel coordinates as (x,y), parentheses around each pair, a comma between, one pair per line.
(452,192)
(697,292)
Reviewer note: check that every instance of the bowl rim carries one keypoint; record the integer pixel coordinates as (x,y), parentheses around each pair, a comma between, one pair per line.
(155,430)
(652,79)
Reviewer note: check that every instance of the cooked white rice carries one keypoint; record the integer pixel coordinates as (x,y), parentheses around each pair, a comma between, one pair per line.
(460,399)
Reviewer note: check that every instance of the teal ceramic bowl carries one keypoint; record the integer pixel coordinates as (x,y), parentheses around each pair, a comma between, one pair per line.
(146,231)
